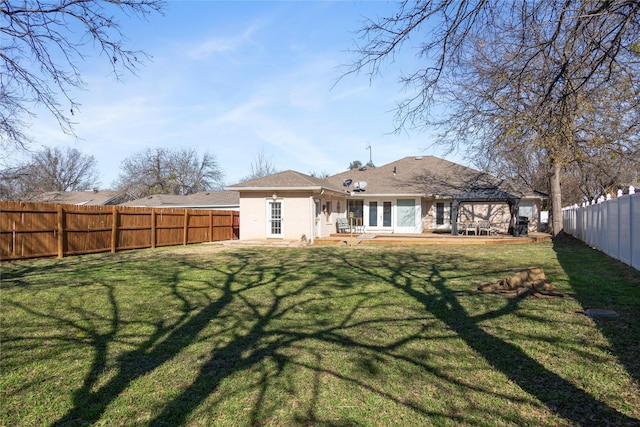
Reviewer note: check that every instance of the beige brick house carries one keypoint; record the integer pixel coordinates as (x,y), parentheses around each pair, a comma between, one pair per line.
(409,196)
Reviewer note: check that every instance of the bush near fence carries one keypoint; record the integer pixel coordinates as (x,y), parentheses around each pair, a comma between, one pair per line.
(610,225)
(34,230)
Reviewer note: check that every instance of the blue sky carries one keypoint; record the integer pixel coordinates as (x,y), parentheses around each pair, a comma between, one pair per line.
(234,78)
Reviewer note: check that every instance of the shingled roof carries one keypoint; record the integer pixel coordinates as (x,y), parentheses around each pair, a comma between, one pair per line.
(418,176)
(218,199)
(428,176)
(287,180)
(91,197)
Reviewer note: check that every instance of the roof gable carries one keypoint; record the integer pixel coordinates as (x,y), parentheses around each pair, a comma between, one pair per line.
(288,179)
(426,175)
(414,175)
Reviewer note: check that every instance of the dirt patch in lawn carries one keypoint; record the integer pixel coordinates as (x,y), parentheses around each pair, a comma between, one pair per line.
(528,282)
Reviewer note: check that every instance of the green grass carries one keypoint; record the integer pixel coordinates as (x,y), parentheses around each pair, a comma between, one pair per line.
(322,336)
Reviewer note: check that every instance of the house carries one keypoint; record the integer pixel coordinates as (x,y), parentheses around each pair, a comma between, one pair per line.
(214,200)
(409,196)
(89,197)
(288,205)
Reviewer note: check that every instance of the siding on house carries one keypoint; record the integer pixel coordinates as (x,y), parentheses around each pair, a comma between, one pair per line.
(298,210)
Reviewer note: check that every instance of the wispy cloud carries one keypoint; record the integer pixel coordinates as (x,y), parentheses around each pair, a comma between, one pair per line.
(234,77)
(218,45)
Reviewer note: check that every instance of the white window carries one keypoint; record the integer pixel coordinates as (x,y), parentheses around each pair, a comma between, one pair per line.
(406,213)
(327,211)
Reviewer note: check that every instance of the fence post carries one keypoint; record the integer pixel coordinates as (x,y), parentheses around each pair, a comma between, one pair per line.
(153,228)
(60,228)
(633,232)
(114,230)
(186,227)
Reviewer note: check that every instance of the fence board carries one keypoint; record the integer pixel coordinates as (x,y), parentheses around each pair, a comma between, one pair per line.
(33,230)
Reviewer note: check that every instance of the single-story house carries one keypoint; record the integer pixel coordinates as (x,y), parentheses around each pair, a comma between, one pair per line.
(410,196)
(207,200)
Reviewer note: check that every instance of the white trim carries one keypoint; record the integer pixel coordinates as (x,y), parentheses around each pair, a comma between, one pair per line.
(315,189)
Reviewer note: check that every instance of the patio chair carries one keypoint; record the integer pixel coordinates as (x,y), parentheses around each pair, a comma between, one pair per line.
(468,227)
(342,224)
(484,227)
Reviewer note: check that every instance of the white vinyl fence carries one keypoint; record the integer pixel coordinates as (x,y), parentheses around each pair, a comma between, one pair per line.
(611,226)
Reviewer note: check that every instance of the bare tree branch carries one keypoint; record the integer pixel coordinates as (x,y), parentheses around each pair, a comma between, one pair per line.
(524,76)
(42,43)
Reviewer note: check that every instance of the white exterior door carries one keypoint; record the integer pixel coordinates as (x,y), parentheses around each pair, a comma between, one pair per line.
(274,218)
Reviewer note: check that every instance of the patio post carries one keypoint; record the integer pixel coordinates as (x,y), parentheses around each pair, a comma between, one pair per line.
(454,217)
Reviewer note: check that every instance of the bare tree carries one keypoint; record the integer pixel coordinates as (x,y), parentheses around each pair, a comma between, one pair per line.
(50,169)
(169,171)
(522,74)
(261,166)
(598,175)
(42,43)
(321,175)
(11,180)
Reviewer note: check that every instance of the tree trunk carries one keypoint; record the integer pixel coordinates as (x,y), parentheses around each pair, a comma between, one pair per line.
(556,199)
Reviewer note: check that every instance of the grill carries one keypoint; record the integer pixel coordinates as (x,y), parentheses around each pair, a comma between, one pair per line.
(522,226)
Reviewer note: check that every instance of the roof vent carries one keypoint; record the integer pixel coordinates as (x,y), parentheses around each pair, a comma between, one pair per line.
(418,157)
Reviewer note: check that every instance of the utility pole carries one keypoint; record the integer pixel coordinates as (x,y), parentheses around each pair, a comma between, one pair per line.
(368,147)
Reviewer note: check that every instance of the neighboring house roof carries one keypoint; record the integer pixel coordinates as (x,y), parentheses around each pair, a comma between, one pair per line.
(92,197)
(429,176)
(204,199)
(287,181)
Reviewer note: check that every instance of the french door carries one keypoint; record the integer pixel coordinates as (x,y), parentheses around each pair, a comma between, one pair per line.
(274,218)
(386,214)
(380,214)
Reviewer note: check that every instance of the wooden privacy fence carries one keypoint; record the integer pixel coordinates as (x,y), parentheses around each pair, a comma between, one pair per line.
(33,230)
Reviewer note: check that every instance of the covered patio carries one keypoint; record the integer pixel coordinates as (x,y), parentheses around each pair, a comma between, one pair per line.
(484,194)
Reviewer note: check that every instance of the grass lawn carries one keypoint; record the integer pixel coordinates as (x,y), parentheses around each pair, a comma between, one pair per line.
(322,336)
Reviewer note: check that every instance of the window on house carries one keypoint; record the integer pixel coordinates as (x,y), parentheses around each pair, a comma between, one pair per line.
(439,213)
(373,214)
(355,206)
(526,209)
(406,213)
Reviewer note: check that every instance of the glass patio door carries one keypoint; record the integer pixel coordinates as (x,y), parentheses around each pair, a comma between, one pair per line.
(386,214)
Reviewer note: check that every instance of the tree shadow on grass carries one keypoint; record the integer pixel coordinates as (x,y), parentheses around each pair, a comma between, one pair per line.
(598,281)
(244,351)
(556,393)
(257,334)
(162,345)
(267,342)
